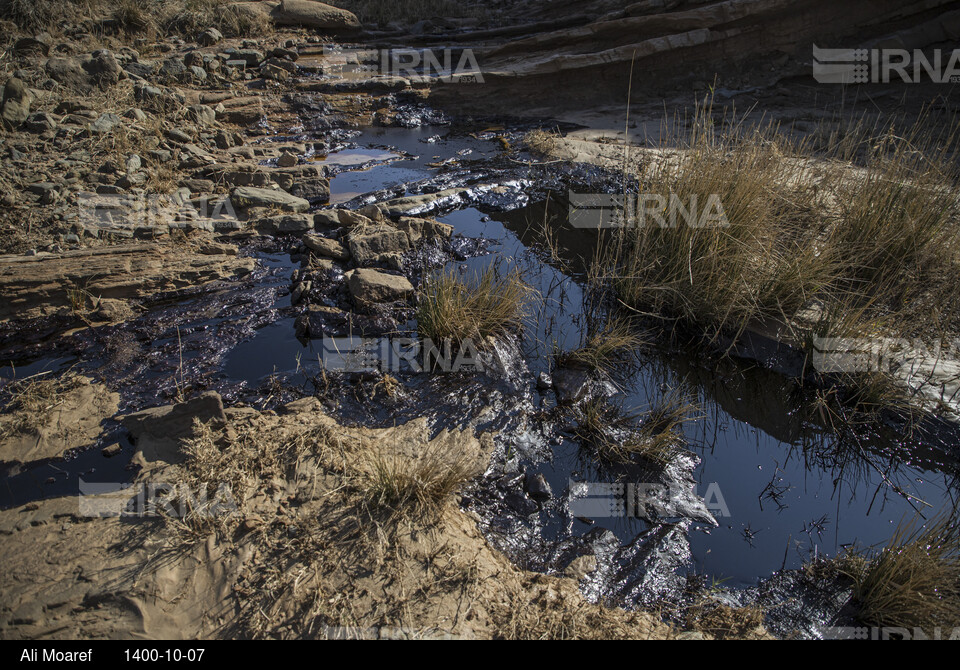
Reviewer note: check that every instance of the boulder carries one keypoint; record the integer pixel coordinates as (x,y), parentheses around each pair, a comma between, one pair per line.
(103,68)
(38,44)
(104,124)
(16,104)
(284,224)
(202,114)
(418,229)
(40,122)
(371,244)
(312,14)
(244,197)
(209,37)
(158,431)
(69,73)
(268,71)
(373,286)
(325,247)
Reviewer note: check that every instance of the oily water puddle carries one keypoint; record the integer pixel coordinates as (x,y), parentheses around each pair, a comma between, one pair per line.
(781,487)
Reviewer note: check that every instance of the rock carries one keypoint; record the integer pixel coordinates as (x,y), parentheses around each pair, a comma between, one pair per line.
(287,159)
(34,286)
(580,567)
(311,14)
(371,244)
(103,68)
(41,187)
(250,57)
(571,384)
(153,96)
(136,114)
(538,487)
(160,155)
(158,431)
(691,635)
(544,381)
(417,229)
(173,69)
(324,246)
(286,65)
(286,54)
(104,124)
(68,72)
(209,37)
(140,70)
(244,197)
(113,450)
(202,114)
(373,212)
(179,136)
(349,218)
(373,286)
(287,224)
(328,218)
(39,44)
(197,72)
(273,72)
(223,140)
(16,104)
(40,122)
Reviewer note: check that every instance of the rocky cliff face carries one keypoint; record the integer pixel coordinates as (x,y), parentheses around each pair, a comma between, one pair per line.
(583,53)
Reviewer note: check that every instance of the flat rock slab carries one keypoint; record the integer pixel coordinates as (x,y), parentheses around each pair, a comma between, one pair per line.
(371,286)
(243,197)
(41,285)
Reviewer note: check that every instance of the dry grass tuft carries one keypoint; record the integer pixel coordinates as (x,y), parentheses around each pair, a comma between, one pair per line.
(449,308)
(723,622)
(28,401)
(409,11)
(615,340)
(653,436)
(800,225)
(401,487)
(540,142)
(913,582)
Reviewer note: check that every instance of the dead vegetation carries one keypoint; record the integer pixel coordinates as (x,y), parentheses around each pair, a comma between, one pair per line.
(604,345)
(878,237)
(653,436)
(356,535)
(409,11)
(541,142)
(725,622)
(912,582)
(136,18)
(449,308)
(28,402)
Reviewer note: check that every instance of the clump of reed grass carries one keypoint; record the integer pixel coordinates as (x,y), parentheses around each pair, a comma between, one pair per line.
(399,486)
(191,17)
(912,582)
(799,226)
(653,436)
(451,309)
(602,347)
(753,258)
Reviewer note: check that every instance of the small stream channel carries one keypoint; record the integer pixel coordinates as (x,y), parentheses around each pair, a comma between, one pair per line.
(782,487)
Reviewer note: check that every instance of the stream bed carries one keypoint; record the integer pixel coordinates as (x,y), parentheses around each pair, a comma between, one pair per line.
(764,486)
